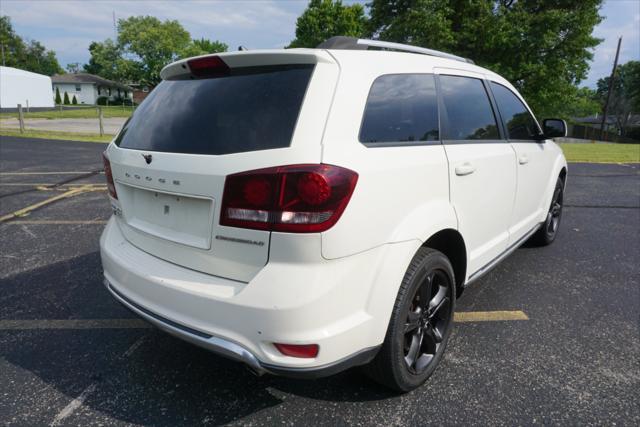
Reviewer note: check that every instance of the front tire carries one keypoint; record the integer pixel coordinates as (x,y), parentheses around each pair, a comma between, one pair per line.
(420,325)
(547,233)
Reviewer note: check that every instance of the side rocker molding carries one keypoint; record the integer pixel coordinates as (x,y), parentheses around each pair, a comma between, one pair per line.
(484,270)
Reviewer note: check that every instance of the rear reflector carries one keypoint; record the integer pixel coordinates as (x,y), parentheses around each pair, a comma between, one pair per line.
(208,66)
(306,351)
(107,173)
(295,198)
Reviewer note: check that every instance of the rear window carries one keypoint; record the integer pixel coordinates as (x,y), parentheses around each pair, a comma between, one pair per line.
(401,108)
(254,108)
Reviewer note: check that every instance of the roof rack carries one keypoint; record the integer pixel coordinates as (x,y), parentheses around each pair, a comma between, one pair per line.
(352,43)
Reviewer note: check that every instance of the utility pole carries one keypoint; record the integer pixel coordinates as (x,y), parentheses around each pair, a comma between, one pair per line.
(115,28)
(609,90)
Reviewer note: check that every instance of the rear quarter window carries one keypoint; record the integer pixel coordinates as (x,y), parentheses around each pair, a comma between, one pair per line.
(400,108)
(254,108)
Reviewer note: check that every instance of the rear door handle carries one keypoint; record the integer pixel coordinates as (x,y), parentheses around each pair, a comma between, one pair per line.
(465,169)
(523,160)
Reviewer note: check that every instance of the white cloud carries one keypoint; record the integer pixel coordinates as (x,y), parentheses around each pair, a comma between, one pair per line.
(63,25)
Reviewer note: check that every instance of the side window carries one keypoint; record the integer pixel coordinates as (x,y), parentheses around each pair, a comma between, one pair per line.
(468,110)
(518,120)
(401,108)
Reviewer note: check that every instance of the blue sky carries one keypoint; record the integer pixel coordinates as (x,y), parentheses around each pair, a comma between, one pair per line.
(69,26)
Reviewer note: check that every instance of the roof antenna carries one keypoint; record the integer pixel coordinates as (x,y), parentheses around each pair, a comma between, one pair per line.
(242,48)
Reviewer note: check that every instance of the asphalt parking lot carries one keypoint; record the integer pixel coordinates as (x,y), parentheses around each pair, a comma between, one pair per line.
(70,355)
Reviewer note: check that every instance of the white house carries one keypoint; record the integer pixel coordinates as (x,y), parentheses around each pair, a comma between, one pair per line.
(25,88)
(87,88)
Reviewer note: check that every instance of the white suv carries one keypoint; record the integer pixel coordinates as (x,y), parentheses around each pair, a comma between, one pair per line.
(309,210)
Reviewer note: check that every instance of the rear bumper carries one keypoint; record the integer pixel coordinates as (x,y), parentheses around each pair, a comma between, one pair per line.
(342,305)
(236,352)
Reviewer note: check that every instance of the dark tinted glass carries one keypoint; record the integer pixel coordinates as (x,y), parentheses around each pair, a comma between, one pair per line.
(468,110)
(401,108)
(519,122)
(252,109)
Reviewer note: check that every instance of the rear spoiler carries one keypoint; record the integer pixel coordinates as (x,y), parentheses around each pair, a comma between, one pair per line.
(212,64)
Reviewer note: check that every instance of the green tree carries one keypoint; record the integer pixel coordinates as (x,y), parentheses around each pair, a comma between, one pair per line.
(202,47)
(625,94)
(73,67)
(58,98)
(66,98)
(541,46)
(144,46)
(327,18)
(74,101)
(30,56)
(107,61)
(581,103)
(152,44)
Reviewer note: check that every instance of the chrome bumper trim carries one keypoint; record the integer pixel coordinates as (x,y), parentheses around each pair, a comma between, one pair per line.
(214,344)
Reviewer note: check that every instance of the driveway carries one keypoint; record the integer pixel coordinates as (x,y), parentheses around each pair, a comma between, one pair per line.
(111,125)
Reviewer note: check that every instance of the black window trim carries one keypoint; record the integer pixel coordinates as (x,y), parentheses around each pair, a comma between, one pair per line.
(391,144)
(504,124)
(445,121)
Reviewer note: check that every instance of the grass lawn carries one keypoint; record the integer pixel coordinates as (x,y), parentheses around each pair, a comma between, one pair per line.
(588,153)
(69,136)
(601,153)
(81,113)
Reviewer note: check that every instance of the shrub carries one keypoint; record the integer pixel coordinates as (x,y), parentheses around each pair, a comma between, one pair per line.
(74,101)
(119,100)
(102,100)
(58,98)
(66,99)
(633,132)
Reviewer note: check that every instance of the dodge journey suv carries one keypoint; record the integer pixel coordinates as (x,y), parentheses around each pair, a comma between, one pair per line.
(305,211)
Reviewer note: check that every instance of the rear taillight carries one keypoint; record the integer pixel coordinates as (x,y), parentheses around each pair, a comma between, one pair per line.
(107,172)
(296,198)
(208,66)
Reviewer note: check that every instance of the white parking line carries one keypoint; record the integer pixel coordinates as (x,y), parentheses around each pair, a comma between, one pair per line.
(75,404)
(6,325)
(54,222)
(44,173)
(134,346)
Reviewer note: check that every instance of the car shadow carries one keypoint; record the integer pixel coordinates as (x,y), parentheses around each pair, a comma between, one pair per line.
(139,376)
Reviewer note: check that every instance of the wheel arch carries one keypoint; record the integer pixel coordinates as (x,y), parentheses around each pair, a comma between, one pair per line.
(563,175)
(451,243)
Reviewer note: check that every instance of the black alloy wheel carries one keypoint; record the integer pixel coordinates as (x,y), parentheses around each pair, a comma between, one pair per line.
(547,233)
(420,324)
(555,212)
(427,321)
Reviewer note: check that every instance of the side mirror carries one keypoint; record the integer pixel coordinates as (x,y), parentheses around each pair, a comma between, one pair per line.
(553,128)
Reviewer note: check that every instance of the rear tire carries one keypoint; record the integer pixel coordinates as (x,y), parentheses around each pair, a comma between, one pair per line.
(547,233)
(420,325)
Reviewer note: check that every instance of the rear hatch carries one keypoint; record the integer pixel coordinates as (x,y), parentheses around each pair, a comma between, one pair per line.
(210,118)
